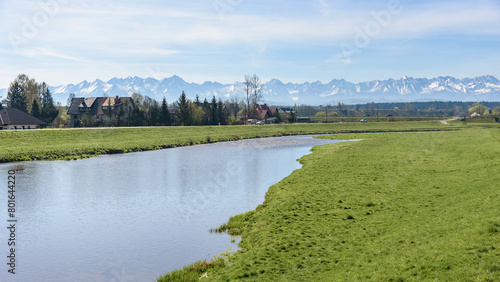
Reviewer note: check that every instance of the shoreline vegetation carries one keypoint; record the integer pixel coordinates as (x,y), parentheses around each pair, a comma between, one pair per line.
(393,207)
(64,144)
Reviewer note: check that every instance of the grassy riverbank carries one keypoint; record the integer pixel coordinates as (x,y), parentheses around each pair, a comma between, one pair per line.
(82,143)
(393,207)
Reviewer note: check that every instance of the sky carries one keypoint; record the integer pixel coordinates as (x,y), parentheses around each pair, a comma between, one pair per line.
(68,41)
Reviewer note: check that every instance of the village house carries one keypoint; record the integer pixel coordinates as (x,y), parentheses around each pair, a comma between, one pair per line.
(266,113)
(98,108)
(15,119)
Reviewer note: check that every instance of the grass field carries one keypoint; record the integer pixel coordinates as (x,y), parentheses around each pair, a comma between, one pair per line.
(82,143)
(393,207)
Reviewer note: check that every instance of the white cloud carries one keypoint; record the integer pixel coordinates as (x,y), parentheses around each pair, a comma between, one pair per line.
(105,37)
(59,55)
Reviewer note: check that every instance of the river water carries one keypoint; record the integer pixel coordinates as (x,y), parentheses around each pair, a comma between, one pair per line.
(135,216)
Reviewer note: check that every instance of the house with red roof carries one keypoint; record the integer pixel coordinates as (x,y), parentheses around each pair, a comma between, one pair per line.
(266,113)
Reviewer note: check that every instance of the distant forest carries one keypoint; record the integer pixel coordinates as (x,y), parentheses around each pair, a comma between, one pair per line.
(413,109)
(427,105)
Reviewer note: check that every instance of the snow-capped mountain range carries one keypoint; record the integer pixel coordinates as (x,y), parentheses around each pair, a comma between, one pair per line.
(406,89)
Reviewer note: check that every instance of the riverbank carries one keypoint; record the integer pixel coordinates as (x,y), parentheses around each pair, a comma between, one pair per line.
(391,207)
(83,143)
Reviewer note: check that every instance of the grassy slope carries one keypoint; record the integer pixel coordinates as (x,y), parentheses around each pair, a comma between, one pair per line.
(70,144)
(406,206)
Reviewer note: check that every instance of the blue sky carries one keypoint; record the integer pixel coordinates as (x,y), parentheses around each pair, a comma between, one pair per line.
(68,41)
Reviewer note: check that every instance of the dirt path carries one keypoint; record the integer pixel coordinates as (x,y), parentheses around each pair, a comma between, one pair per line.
(445,122)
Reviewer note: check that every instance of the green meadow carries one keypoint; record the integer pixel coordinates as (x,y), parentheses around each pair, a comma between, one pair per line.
(83,143)
(392,207)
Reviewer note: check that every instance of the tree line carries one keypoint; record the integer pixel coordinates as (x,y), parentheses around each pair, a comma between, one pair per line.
(416,109)
(35,98)
(439,105)
(32,97)
(146,111)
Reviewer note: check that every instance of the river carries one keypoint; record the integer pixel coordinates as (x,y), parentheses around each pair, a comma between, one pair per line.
(135,216)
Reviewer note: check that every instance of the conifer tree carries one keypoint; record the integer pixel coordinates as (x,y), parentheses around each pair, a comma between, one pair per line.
(15,97)
(221,113)
(214,119)
(154,114)
(165,114)
(206,109)
(35,109)
(49,110)
(183,113)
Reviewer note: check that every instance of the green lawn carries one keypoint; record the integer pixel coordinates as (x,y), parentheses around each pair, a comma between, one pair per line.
(393,207)
(81,143)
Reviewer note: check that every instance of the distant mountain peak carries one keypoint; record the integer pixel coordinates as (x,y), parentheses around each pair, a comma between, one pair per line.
(176,77)
(405,89)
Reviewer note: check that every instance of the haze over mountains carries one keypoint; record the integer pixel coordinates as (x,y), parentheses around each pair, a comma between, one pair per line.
(406,89)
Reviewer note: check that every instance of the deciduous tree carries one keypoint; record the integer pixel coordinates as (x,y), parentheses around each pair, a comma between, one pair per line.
(70,98)
(31,89)
(256,90)
(234,106)
(477,108)
(247,87)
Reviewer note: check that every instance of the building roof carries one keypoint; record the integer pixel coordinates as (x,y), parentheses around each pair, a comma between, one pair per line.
(264,111)
(15,116)
(113,102)
(75,105)
(87,102)
(273,111)
(110,101)
(93,105)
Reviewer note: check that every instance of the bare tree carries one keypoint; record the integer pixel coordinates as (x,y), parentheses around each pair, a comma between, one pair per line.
(256,90)
(247,86)
(234,105)
(253,94)
(70,99)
